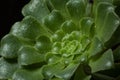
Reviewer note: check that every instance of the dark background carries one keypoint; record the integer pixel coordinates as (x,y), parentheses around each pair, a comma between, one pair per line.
(10,12)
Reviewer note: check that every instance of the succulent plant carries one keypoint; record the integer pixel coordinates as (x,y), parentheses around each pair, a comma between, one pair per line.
(63,40)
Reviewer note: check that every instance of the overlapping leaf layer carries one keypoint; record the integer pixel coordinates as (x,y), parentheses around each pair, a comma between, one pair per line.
(61,40)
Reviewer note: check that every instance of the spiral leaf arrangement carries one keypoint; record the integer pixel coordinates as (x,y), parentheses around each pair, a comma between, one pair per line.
(62,40)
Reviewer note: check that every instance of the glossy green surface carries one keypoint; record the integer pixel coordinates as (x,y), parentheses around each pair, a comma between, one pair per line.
(62,40)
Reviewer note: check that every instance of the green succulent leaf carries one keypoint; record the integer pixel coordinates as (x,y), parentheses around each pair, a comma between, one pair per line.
(52,58)
(69,26)
(28,55)
(49,71)
(37,9)
(67,72)
(96,2)
(81,74)
(23,74)
(105,31)
(86,24)
(63,40)
(43,44)
(7,69)
(76,9)
(10,46)
(53,20)
(61,6)
(28,28)
(96,47)
(103,62)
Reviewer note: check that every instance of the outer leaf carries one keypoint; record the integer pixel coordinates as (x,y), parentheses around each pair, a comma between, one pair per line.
(49,71)
(95,47)
(67,73)
(80,73)
(96,2)
(86,24)
(7,69)
(28,55)
(43,44)
(52,58)
(106,24)
(76,9)
(69,26)
(28,28)
(110,73)
(53,20)
(23,74)
(85,43)
(56,36)
(60,5)
(36,8)
(10,46)
(105,61)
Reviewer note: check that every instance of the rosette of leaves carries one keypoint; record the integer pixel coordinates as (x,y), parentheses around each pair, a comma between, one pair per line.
(63,40)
